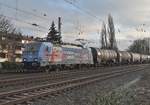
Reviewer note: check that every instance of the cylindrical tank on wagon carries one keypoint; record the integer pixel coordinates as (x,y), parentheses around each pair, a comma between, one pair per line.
(107,55)
(136,58)
(148,58)
(124,57)
(144,58)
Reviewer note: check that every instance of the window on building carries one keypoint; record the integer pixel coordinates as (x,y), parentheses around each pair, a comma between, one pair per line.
(18,47)
(3,38)
(2,55)
(18,56)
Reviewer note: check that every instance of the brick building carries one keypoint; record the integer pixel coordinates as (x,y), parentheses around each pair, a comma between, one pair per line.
(11,46)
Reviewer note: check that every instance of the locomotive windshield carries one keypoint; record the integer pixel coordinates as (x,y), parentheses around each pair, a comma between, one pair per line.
(32,47)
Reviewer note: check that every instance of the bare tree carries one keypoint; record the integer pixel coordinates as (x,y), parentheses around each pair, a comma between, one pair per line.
(5,25)
(11,35)
(111,32)
(104,37)
(139,46)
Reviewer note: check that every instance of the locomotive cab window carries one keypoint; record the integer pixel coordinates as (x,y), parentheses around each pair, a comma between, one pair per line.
(32,47)
(48,49)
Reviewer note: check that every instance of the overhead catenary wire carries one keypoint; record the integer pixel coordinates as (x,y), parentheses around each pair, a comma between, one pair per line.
(23,11)
(32,24)
(41,17)
(32,29)
(84,10)
(38,16)
(26,12)
(44,18)
(22,21)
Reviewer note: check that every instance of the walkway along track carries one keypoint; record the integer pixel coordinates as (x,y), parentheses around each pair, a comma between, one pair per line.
(55,76)
(29,94)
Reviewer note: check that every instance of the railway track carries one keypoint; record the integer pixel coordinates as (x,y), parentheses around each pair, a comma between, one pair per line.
(30,94)
(21,75)
(26,75)
(4,83)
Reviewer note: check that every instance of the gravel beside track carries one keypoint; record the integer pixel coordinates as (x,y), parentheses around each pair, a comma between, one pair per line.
(88,95)
(142,89)
(28,94)
(40,79)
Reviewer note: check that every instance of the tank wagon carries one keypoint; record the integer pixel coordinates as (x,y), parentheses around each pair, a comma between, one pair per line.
(148,58)
(144,58)
(135,58)
(124,57)
(49,56)
(105,57)
(111,57)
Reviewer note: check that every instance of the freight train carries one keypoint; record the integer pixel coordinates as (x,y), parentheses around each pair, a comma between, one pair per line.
(50,56)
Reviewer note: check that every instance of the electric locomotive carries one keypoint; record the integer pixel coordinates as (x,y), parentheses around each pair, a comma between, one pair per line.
(45,54)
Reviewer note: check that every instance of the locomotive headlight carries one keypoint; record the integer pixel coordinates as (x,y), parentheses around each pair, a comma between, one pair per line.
(24,59)
(99,53)
(35,59)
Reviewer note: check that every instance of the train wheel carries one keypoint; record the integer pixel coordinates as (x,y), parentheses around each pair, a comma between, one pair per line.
(47,69)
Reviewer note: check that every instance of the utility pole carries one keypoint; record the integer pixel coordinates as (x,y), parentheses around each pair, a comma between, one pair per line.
(59,26)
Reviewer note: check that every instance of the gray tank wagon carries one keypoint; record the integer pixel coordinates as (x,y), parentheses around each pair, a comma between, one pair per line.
(124,57)
(135,58)
(144,58)
(106,56)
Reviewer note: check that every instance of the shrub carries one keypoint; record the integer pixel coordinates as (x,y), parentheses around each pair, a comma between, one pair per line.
(11,66)
(121,97)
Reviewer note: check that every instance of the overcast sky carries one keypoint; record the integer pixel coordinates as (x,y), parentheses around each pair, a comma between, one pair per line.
(87,17)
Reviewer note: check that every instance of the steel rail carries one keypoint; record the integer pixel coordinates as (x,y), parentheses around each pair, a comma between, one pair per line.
(42,78)
(20,75)
(28,94)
